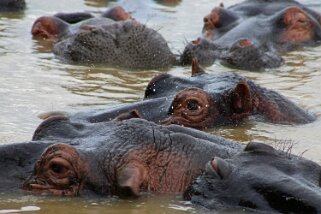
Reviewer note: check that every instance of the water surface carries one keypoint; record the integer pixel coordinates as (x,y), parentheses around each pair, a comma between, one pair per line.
(32,82)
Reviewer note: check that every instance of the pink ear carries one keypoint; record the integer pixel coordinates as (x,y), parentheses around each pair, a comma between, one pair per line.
(242,98)
(130,178)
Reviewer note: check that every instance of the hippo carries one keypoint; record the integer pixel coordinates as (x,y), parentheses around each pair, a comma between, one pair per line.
(127,157)
(253,35)
(114,39)
(12,5)
(260,178)
(121,158)
(203,101)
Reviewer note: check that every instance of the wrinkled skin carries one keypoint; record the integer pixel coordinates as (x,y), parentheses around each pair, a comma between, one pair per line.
(254,34)
(118,157)
(259,178)
(204,101)
(12,5)
(115,39)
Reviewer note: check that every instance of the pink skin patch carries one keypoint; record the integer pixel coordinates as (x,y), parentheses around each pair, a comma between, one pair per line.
(245,43)
(196,42)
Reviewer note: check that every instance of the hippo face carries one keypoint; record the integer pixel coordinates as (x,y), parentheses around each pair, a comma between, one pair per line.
(114,39)
(253,34)
(119,157)
(204,101)
(260,178)
(207,100)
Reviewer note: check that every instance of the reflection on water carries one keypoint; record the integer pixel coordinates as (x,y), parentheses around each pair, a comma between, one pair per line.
(32,82)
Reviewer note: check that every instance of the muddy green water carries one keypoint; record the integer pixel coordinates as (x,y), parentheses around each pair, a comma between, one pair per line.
(32,82)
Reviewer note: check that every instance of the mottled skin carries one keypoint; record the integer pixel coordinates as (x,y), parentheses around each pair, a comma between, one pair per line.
(115,39)
(259,179)
(120,158)
(254,34)
(204,101)
(12,5)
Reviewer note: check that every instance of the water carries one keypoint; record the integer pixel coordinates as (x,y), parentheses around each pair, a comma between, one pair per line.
(32,82)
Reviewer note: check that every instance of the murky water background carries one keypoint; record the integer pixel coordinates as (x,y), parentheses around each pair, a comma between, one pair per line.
(32,82)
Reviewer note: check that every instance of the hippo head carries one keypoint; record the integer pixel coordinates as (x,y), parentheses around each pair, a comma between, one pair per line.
(118,157)
(259,178)
(204,101)
(56,26)
(253,35)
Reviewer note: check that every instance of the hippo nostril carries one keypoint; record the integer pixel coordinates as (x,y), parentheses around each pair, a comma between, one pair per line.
(205,19)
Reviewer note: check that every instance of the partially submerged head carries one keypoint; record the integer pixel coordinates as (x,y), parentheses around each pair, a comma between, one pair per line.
(204,100)
(259,178)
(271,28)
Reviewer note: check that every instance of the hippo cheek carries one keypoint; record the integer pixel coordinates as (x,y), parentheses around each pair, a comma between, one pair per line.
(60,171)
(192,107)
(299,26)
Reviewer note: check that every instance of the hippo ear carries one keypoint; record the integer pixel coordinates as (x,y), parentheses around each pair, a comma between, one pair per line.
(130,178)
(128,115)
(241,98)
(196,68)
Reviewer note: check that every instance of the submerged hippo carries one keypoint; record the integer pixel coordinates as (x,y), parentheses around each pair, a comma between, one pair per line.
(113,158)
(115,39)
(254,34)
(204,101)
(12,5)
(259,178)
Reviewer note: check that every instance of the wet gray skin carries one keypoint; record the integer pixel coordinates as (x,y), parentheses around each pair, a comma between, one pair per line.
(120,158)
(259,179)
(203,101)
(250,35)
(123,43)
(12,5)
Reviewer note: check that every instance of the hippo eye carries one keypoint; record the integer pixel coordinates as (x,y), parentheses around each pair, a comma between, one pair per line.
(58,168)
(192,105)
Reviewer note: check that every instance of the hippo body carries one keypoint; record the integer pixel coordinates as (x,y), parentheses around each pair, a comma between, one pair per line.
(253,35)
(118,157)
(204,101)
(260,178)
(12,5)
(115,39)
